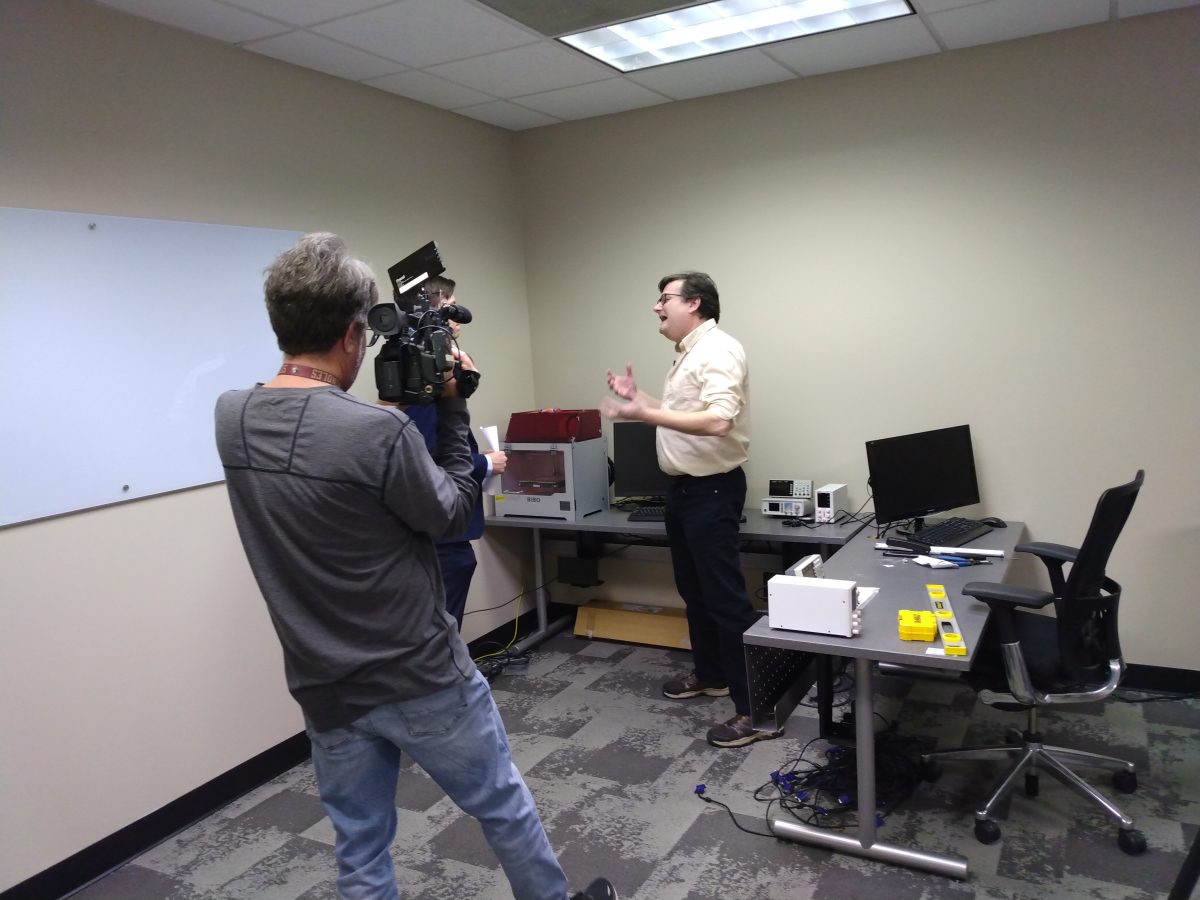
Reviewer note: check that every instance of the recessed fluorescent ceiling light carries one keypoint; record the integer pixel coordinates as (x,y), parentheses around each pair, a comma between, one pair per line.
(722,26)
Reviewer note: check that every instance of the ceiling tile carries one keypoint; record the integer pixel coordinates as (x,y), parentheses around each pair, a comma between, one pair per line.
(1004,20)
(932,6)
(524,70)
(563,18)
(206,17)
(597,98)
(430,89)
(422,33)
(472,55)
(850,48)
(713,74)
(507,115)
(315,52)
(304,12)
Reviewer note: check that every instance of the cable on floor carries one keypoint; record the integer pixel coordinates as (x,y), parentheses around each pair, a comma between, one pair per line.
(823,793)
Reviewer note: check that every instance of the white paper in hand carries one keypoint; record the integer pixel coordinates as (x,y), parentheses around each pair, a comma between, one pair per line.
(491,439)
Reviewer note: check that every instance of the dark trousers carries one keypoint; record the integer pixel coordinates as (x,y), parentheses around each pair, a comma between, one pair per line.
(702,525)
(457,561)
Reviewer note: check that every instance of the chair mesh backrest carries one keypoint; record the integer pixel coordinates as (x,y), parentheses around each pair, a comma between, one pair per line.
(1086,612)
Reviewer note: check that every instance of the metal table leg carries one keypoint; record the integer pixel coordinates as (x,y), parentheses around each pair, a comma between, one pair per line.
(545,629)
(865,844)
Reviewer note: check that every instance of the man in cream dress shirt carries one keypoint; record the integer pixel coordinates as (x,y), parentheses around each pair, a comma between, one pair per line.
(703,428)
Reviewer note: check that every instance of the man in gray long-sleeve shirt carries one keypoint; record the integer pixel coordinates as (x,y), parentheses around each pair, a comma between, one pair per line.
(338,504)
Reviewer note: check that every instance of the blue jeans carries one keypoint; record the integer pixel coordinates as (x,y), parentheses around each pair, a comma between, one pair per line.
(457,737)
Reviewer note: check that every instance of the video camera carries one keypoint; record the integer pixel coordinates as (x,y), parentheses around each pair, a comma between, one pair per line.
(411,365)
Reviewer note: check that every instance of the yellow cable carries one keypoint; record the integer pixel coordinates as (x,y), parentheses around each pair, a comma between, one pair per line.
(516,622)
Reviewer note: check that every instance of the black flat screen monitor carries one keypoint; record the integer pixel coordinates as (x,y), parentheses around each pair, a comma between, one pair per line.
(635,462)
(916,475)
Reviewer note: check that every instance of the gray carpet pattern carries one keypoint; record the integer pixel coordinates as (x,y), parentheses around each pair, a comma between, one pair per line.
(613,766)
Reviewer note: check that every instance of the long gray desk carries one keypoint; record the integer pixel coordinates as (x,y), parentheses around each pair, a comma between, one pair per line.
(776,661)
(757,527)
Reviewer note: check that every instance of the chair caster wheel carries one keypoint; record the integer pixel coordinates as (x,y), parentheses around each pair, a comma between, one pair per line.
(1014,736)
(1125,781)
(987,831)
(930,770)
(1132,841)
(1031,784)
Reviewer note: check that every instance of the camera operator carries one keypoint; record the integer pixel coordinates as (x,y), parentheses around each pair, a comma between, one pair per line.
(338,504)
(456,556)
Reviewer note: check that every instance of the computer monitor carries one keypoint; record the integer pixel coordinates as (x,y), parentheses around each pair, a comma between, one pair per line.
(635,462)
(915,475)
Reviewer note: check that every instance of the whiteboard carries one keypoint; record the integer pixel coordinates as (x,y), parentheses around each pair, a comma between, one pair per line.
(118,336)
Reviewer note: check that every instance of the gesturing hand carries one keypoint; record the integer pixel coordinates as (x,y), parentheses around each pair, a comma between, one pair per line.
(624,411)
(623,385)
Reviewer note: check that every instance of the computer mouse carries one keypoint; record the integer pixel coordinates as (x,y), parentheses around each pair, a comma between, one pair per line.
(994,522)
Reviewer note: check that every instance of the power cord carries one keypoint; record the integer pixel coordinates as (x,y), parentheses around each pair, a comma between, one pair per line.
(519,596)
(503,649)
(700,792)
(493,665)
(839,517)
(496,663)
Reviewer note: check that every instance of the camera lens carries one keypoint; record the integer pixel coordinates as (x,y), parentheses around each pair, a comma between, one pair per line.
(384,318)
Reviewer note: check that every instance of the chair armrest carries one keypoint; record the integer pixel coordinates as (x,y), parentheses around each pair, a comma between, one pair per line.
(1007,596)
(1043,550)
(1055,556)
(1003,600)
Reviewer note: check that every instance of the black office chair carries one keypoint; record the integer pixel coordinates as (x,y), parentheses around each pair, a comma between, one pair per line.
(1030,661)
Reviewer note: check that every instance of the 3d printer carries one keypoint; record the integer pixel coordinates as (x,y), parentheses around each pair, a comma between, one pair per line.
(557,465)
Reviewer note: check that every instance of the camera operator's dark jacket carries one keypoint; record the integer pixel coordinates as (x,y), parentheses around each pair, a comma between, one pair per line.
(426,419)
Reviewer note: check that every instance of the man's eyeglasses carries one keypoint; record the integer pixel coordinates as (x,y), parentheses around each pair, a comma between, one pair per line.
(663,298)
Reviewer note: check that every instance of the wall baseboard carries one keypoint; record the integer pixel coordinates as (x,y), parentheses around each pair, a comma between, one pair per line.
(107,854)
(1161,678)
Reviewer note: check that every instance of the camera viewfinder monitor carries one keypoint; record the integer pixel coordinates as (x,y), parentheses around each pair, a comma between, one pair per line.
(635,462)
(915,475)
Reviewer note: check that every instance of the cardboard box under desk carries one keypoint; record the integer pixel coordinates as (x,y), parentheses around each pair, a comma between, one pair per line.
(634,623)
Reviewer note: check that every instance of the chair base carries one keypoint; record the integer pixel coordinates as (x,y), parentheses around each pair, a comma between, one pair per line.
(1032,756)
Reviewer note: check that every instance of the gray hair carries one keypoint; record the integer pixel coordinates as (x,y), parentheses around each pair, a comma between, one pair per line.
(314,291)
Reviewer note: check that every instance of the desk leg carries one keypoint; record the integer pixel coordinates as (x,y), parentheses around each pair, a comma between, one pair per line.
(865,844)
(545,628)
(864,740)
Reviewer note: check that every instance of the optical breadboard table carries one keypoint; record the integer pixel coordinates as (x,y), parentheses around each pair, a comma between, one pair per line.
(777,660)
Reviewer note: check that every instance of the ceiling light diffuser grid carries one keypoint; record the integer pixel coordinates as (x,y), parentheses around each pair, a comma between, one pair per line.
(722,26)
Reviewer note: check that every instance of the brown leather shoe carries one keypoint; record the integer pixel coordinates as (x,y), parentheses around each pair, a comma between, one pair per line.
(738,732)
(691,686)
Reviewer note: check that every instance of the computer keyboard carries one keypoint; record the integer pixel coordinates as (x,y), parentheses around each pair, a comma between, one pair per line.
(648,514)
(951,532)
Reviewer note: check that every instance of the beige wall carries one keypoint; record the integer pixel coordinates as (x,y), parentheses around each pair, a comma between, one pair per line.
(136,654)
(1029,206)
(1018,223)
